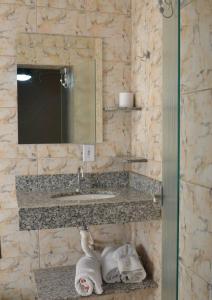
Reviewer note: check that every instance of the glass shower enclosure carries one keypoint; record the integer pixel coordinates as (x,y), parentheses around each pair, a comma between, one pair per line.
(171,112)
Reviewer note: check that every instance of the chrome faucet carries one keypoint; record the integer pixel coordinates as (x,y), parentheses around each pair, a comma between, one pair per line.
(80,176)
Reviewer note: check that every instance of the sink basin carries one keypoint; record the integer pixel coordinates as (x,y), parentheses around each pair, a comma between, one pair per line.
(92,196)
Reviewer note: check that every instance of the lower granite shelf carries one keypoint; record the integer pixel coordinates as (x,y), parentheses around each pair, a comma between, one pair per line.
(58,284)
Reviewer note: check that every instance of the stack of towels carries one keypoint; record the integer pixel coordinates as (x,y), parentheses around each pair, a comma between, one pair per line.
(122,264)
(114,265)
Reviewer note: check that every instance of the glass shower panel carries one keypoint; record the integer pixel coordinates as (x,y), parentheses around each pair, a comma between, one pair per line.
(170,152)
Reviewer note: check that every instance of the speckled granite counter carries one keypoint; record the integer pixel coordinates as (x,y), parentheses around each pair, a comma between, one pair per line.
(58,284)
(39,210)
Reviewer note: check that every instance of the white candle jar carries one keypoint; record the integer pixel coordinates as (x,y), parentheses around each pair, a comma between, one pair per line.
(126,99)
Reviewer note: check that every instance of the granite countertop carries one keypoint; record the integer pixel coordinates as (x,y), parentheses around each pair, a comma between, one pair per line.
(58,283)
(41,209)
(50,199)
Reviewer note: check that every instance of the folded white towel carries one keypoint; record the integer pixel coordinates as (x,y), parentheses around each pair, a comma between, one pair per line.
(88,276)
(129,264)
(110,271)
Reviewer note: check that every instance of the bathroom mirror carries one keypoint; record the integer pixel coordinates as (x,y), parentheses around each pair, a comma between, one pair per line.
(59,89)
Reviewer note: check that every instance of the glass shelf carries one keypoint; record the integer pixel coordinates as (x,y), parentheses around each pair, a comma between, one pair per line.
(126,109)
(131,159)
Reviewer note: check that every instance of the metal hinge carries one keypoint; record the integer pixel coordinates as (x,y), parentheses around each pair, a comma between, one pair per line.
(158,198)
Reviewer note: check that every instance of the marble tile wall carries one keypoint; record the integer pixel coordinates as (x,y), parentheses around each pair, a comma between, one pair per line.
(147,239)
(23,252)
(196,146)
(110,20)
(147,86)
(146,134)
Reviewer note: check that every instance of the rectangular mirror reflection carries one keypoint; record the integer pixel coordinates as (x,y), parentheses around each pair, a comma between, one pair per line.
(56,105)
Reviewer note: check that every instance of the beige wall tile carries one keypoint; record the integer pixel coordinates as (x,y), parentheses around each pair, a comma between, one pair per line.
(196,137)
(51,20)
(150,169)
(104,164)
(23,243)
(196,46)
(114,6)
(15,18)
(59,150)
(116,79)
(146,82)
(75,151)
(108,25)
(10,293)
(154,133)
(117,49)
(110,6)
(54,57)
(20,2)
(117,128)
(196,226)
(70,4)
(8,200)
(59,259)
(7,45)
(110,149)
(138,148)
(153,17)
(53,50)
(61,21)
(110,234)
(59,240)
(146,237)
(55,150)
(8,150)
(8,133)
(17,166)
(59,247)
(191,286)
(8,221)
(8,81)
(8,116)
(60,165)
(17,277)
(8,125)
(196,144)
(7,192)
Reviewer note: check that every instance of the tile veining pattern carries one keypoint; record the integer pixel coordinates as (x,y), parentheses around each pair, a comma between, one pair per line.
(196,144)
(24,251)
(146,77)
(146,137)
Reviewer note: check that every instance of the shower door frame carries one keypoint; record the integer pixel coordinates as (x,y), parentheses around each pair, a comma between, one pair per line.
(171,152)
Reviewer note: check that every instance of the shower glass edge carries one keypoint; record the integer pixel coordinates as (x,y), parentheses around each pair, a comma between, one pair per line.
(171,152)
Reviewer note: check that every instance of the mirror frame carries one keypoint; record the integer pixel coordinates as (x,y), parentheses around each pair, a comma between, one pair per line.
(54,50)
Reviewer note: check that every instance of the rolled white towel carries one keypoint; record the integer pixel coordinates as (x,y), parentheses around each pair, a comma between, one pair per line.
(110,271)
(88,277)
(129,264)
